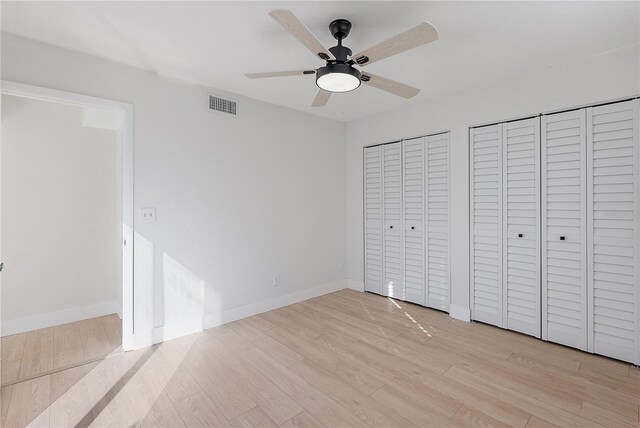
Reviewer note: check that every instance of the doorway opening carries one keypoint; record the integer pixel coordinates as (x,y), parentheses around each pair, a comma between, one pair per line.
(66,230)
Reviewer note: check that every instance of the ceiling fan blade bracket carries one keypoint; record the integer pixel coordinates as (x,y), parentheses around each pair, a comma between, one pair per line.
(323,56)
(365,78)
(362,60)
(309,72)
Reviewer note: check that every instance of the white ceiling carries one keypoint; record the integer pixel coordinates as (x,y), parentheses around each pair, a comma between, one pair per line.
(215,43)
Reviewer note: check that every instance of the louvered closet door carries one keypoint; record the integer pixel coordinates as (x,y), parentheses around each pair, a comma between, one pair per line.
(414,260)
(564,298)
(521,226)
(486,224)
(613,225)
(392,221)
(437,208)
(373,219)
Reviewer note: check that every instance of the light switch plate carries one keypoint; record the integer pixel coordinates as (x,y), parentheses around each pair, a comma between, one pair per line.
(147,215)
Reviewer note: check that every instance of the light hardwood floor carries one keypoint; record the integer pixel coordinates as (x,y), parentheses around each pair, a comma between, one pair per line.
(344,359)
(32,354)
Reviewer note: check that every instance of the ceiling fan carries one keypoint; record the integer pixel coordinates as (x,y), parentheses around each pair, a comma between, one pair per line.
(339,73)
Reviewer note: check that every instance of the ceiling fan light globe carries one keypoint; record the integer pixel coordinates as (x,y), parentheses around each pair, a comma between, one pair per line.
(338,78)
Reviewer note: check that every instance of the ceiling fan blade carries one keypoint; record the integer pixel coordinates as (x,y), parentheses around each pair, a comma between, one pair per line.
(279,74)
(292,24)
(321,99)
(395,88)
(417,36)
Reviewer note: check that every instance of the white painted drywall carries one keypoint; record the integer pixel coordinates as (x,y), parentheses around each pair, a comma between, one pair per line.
(238,199)
(608,76)
(61,216)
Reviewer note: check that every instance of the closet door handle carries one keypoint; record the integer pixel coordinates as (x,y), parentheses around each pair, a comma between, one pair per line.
(413,227)
(520,235)
(390,227)
(563,238)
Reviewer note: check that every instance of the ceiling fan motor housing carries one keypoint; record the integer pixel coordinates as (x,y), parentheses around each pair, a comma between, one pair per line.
(340,28)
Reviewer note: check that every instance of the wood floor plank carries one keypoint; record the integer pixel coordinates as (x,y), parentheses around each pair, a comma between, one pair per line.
(64,380)
(67,345)
(12,348)
(388,345)
(97,338)
(478,399)
(379,330)
(470,417)
(252,419)
(198,411)
(109,401)
(517,398)
(43,420)
(283,318)
(217,384)
(326,408)
(319,321)
(28,400)
(37,356)
(511,378)
(628,384)
(259,322)
(368,410)
(332,357)
(417,407)
(302,420)
(401,323)
(72,406)
(622,400)
(606,417)
(275,403)
(5,399)
(113,328)
(181,385)
(162,414)
(536,422)
(259,339)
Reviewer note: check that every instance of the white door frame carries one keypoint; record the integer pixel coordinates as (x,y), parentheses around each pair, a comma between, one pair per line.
(126,109)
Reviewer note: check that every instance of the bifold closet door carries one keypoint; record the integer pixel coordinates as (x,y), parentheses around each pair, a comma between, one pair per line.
(414,188)
(486,224)
(373,219)
(521,226)
(613,224)
(437,220)
(505,225)
(392,218)
(564,179)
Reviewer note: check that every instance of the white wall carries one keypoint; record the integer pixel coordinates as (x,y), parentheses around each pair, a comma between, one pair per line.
(608,76)
(239,199)
(61,216)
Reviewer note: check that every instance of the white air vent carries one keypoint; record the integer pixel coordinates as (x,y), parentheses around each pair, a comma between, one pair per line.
(222,105)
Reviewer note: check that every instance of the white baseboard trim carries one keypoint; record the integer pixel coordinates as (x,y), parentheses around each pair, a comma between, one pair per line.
(355,285)
(460,312)
(164,333)
(50,319)
(234,314)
